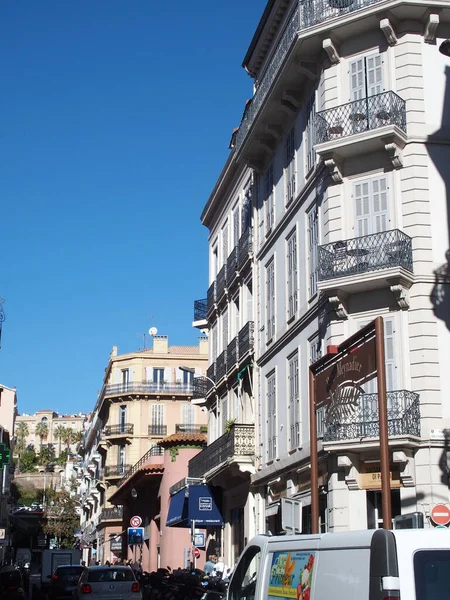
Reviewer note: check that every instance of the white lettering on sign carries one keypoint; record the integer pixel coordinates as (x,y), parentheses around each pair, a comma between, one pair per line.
(205,503)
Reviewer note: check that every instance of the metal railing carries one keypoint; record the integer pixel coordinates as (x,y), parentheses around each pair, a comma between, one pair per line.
(361,421)
(245,247)
(108,514)
(116,470)
(232,265)
(232,353)
(200,309)
(211,297)
(186,428)
(365,254)
(239,442)
(361,115)
(211,372)
(306,14)
(121,429)
(221,365)
(221,283)
(201,387)
(246,339)
(147,387)
(157,429)
(154,451)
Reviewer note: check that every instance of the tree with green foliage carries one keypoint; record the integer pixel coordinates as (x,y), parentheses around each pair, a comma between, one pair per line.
(68,437)
(28,461)
(46,455)
(58,434)
(41,431)
(22,433)
(62,458)
(62,518)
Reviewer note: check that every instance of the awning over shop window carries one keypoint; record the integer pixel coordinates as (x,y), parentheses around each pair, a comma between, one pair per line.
(193,503)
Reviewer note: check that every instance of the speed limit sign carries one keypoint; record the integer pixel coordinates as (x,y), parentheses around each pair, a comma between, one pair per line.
(135,521)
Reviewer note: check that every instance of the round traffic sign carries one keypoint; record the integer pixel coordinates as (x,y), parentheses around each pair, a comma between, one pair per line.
(440,514)
(196,552)
(135,521)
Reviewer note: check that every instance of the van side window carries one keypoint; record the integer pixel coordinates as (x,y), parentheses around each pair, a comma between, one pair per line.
(243,583)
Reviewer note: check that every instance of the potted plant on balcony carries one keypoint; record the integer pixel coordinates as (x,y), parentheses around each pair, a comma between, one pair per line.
(229,424)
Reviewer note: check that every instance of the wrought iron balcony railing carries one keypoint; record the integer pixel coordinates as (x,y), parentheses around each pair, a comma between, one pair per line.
(113,513)
(221,283)
(211,297)
(121,429)
(154,451)
(232,265)
(246,339)
(187,428)
(200,309)
(157,429)
(147,387)
(232,353)
(211,372)
(361,421)
(366,114)
(306,14)
(245,247)
(365,254)
(221,365)
(201,387)
(116,470)
(240,442)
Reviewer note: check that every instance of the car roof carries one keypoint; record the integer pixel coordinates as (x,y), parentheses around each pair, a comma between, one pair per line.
(98,567)
(70,567)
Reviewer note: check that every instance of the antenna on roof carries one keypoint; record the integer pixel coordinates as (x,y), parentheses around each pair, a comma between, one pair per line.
(144,338)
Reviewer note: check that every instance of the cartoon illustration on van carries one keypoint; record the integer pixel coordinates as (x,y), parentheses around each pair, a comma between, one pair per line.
(291,575)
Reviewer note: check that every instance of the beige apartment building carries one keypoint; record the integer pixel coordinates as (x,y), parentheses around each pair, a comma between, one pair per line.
(146,396)
(54,422)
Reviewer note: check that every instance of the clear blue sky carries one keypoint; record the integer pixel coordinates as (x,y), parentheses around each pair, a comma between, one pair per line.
(115,117)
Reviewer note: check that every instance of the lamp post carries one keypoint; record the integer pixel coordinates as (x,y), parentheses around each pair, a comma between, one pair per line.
(444,48)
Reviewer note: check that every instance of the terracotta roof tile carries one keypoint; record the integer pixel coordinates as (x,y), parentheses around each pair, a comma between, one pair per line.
(185,438)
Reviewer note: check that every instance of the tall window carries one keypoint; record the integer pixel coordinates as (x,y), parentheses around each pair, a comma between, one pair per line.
(270,299)
(292,275)
(271,418)
(158,419)
(294,401)
(125,377)
(366,80)
(122,418)
(247,210)
(188,416)
(224,329)
(225,243)
(290,166)
(310,118)
(313,242)
(224,412)
(188,378)
(158,376)
(315,352)
(371,206)
(236,216)
(214,342)
(270,208)
(121,458)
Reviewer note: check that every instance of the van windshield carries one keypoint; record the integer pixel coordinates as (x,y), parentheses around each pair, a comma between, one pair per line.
(431,574)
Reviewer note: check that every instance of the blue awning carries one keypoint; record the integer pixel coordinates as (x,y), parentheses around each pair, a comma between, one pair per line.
(194,503)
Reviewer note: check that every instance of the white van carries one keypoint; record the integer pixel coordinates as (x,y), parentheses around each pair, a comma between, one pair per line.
(355,565)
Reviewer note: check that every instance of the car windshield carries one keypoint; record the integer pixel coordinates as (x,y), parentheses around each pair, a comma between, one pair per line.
(110,574)
(68,571)
(431,569)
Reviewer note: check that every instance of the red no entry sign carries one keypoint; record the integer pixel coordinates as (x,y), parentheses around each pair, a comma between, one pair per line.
(135,521)
(440,514)
(196,552)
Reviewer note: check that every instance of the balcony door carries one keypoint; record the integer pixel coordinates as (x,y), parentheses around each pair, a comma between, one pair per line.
(121,459)
(366,81)
(122,418)
(158,419)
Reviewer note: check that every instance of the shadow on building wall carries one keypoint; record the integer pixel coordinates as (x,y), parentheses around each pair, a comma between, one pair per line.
(439,150)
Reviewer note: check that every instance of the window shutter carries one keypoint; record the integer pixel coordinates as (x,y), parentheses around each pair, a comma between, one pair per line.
(116,376)
(362,208)
(225,244)
(374,74)
(389,354)
(236,226)
(357,80)
(168,375)
(379,205)
(225,329)
(148,374)
(130,375)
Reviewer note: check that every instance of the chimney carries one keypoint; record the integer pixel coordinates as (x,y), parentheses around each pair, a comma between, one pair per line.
(203,345)
(160,344)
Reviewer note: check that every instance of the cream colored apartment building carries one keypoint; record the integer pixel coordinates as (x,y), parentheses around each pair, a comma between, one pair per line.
(146,396)
(54,421)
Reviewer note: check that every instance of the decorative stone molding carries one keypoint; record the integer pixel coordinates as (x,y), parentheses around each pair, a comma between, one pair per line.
(331,50)
(335,168)
(287,107)
(395,154)
(256,164)
(432,23)
(337,302)
(389,32)
(406,464)
(274,131)
(401,295)
(292,96)
(348,462)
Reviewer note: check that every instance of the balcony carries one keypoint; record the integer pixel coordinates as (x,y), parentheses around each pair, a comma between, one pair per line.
(238,446)
(221,365)
(187,428)
(366,263)
(403,413)
(221,283)
(211,298)
(361,126)
(200,310)
(159,430)
(122,430)
(232,265)
(201,387)
(116,471)
(323,15)
(232,354)
(146,458)
(211,372)
(245,248)
(112,514)
(147,388)
(246,340)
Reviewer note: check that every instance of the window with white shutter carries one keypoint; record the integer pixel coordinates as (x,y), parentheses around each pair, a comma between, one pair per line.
(224,412)
(313,243)
(371,386)
(292,275)
(236,220)
(290,166)
(366,77)
(214,342)
(158,419)
(269,193)
(309,130)
(225,243)
(271,417)
(371,206)
(188,415)
(315,349)
(225,329)
(294,402)
(270,300)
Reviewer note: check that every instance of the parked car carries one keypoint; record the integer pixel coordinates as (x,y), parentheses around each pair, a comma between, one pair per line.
(11,584)
(100,582)
(64,581)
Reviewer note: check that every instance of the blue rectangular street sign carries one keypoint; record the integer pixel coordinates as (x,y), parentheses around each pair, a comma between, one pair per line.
(135,536)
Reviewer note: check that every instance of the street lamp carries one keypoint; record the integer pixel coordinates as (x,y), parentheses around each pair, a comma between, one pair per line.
(444,48)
